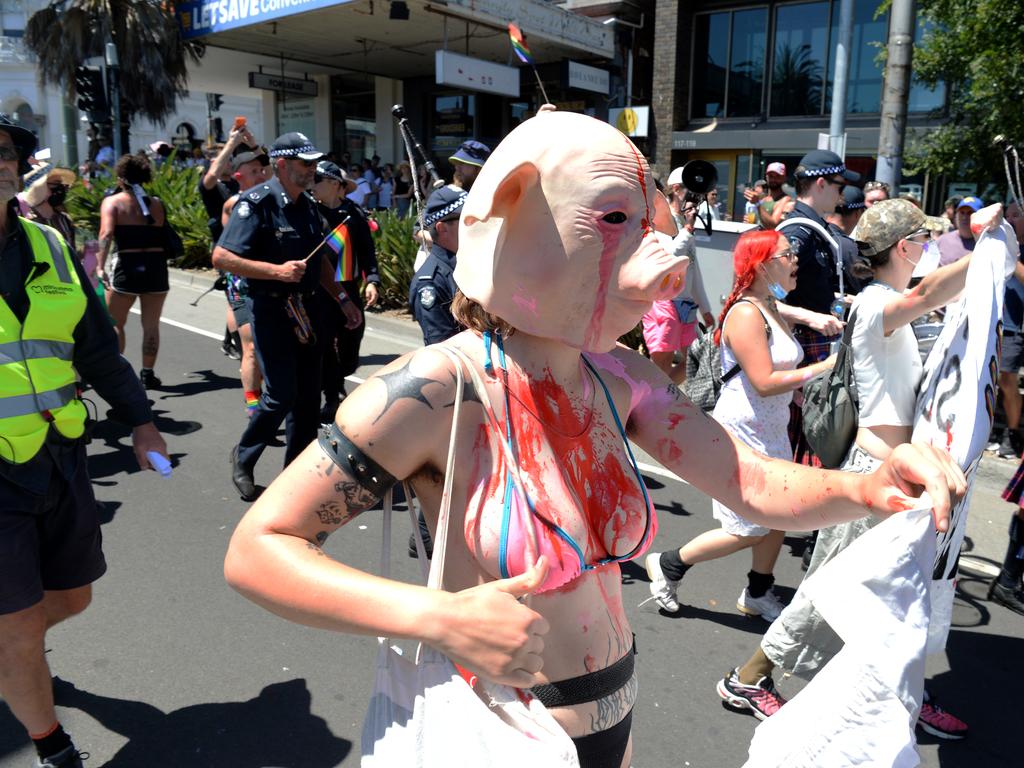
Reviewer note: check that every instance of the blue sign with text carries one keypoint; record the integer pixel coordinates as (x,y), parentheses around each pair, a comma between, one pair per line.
(204,17)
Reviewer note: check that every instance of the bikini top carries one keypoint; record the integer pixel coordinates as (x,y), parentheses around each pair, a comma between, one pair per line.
(134,237)
(566,496)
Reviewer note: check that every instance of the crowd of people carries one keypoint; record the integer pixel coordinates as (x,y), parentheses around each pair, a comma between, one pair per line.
(533,261)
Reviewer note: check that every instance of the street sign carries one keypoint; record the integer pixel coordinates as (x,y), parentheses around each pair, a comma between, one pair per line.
(279,83)
(587,78)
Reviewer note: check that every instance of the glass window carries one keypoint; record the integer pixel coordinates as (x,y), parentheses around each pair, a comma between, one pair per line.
(710,52)
(800,58)
(864,88)
(922,98)
(746,66)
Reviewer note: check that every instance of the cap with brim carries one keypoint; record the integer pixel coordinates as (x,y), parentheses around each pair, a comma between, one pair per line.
(330,170)
(779,168)
(24,141)
(970,202)
(247,156)
(675,177)
(822,162)
(443,203)
(852,200)
(471,153)
(886,223)
(295,144)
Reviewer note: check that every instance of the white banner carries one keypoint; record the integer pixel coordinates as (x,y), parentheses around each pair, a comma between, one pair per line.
(475,74)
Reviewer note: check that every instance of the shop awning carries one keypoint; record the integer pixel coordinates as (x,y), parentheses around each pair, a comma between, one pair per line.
(360,36)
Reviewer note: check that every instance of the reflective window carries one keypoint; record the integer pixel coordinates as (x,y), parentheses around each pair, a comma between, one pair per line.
(746,66)
(710,53)
(922,98)
(800,58)
(864,88)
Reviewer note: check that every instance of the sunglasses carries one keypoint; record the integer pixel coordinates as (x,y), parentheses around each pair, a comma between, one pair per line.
(786,254)
(9,154)
(871,186)
(836,182)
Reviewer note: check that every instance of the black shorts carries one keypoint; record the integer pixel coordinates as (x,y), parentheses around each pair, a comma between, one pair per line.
(1011,358)
(139,273)
(48,542)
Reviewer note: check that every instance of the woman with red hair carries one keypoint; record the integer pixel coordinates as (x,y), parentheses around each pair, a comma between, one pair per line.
(759,375)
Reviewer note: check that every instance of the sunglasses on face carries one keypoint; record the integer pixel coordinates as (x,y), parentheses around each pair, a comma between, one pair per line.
(8,154)
(836,182)
(786,254)
(871,186)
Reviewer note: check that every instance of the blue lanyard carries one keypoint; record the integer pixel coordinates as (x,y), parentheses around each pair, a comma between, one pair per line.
(506,516)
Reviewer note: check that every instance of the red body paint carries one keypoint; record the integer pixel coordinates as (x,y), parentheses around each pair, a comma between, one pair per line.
(898,504)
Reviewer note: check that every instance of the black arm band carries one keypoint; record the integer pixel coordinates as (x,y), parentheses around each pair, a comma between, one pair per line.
(352,461)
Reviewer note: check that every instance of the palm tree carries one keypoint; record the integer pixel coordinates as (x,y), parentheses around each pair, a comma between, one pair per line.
(796,82)
(151,52)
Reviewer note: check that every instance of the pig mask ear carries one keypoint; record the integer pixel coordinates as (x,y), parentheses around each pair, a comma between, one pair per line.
(506,199)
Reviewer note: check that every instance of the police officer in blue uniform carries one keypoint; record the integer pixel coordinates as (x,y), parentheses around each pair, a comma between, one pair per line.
(433,286)
(274,238)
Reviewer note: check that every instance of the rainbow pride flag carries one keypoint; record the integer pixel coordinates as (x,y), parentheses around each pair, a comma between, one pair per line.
(519,44)
(340,241)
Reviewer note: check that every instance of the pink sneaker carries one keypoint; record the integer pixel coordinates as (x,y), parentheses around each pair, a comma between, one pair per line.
(940,723)
(761,699)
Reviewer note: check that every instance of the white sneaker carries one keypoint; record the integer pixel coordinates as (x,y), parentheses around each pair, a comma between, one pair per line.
(662,590)
(768,606)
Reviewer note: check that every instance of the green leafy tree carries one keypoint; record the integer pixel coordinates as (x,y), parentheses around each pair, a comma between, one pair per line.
(796,82)
(152,55)
(977,48)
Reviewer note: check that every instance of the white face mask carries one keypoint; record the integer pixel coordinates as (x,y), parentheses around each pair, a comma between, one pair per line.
(929,260)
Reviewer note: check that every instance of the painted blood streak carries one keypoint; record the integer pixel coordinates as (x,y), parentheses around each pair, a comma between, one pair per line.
(898,504)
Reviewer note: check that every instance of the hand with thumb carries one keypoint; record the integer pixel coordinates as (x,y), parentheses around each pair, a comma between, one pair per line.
(487,630)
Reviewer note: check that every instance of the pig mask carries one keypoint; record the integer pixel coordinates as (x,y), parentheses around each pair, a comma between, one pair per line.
(557,236)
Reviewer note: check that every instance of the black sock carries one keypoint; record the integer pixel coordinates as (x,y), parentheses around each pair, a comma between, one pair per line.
(145,370)
(673,568)
(759,583)
(52,743)
(1013,565)
(227,336)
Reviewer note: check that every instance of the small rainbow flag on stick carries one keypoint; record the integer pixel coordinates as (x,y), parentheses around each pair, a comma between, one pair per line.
(519,45)
(340,241)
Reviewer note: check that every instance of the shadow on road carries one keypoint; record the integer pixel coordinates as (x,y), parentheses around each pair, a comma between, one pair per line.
(200,381)
(274,729)
(377,359)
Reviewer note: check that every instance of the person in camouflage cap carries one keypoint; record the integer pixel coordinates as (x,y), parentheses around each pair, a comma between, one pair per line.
(886,223)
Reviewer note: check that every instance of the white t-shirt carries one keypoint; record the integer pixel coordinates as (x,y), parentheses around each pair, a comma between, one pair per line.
(887,368)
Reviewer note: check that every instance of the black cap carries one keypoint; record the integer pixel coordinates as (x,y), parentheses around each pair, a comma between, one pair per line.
(822,162)
(444,203)
(295,144)
(852,200)
(24,141)
(330,170)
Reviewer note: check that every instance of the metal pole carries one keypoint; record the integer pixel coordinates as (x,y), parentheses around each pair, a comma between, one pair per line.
(115,96)
(69,129)
(837,126)
(896,93)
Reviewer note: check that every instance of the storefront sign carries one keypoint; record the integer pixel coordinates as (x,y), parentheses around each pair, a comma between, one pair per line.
(587,78)
(204,17)
(297,115)
(543,20)
(281,83)
(475,74)
(632,121)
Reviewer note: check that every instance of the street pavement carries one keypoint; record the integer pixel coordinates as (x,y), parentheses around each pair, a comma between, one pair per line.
(170,668)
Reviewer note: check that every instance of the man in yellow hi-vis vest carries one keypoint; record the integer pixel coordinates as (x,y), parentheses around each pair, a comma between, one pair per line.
(53,332)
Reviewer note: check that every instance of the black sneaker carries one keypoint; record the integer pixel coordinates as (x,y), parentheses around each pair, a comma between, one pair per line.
(1007,448)
(229,349)
(149,379)
(1007,597)
(66,758)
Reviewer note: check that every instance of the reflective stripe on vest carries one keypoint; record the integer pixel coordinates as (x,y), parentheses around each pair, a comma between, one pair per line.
(22,405)
(20,351)
(53,240)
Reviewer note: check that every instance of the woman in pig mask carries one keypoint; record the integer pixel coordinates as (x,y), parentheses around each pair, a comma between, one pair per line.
(557,259)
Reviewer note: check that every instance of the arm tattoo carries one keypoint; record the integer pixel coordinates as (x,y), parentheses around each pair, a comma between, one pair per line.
(315,548)
(404,384)
(322,537)
(469,393)
(357,498)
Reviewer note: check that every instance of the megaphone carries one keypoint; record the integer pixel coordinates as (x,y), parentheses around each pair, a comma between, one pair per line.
(700,177)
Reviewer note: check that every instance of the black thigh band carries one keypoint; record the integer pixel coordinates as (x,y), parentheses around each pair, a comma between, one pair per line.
(589,687)
(605,749)
(351,460)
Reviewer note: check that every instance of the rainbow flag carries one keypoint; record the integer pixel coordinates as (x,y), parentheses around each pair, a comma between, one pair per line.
(519,44)
(340,241)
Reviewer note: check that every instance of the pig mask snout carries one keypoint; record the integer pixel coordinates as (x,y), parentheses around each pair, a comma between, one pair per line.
(652,273)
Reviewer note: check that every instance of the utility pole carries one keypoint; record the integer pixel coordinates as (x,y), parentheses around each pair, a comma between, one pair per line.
(837,125)
(114,87)
(896,93)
